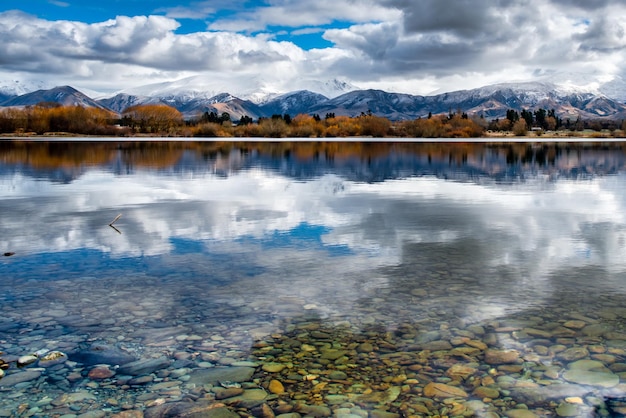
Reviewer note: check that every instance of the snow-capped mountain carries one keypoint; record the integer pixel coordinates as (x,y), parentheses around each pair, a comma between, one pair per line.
(493,101)
(569,101)
(122,101)
(63,95)
(328,88)
(189,96)
(222,103)
(293,103)
(394,106)
(252,88)
(191,107)
(14,88)
(254,96)
(490,102)
(615,89)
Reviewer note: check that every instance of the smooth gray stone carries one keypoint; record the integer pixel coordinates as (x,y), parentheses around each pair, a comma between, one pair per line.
(547,393)
(221,374)
(20,377)
(101,354)
(188,409)
(144,366)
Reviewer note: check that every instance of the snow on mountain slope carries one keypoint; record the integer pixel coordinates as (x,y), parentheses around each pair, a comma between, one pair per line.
(222,103)
(20,87)
(615,89)
(251,88)
(196,95)
(490,101)
(121,102)
(293,103)
(64,95)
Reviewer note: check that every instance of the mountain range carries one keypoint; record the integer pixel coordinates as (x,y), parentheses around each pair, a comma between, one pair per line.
(193,97)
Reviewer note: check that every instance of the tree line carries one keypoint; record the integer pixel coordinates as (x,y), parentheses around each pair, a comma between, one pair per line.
(547,120)
(45,118)
(163,120)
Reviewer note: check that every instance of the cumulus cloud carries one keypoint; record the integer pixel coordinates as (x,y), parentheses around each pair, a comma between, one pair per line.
(415,46)
(293,14)
(374,40)
(144,43)
(444,38)
(605,34)
(586,4)
(460,17)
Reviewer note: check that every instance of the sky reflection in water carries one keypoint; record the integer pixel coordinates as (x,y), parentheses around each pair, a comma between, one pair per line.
(260,211)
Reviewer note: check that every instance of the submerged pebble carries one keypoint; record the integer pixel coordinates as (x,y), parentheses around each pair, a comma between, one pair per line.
(219,330)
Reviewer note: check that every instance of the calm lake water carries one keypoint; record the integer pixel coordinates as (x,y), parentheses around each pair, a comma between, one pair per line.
(320,279)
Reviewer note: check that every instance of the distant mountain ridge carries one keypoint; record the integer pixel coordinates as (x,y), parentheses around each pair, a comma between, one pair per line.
(490,101)
(63,95)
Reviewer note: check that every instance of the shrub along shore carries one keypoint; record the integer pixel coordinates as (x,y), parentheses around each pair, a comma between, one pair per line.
(162,120)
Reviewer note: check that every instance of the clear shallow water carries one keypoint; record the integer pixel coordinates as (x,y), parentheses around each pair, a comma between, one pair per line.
(410,261)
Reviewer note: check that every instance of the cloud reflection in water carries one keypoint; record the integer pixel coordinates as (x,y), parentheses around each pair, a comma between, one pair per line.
(328,236)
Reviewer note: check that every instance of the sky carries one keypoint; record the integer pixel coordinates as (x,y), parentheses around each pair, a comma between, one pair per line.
(410,46)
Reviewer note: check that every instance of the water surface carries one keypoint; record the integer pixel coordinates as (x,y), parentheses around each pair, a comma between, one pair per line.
(410,279)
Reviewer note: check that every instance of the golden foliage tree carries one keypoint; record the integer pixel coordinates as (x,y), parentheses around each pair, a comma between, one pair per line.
(273,128)
(154,119)
(342,126)
(375,126)
(305,126)
(520,128)
(46,118)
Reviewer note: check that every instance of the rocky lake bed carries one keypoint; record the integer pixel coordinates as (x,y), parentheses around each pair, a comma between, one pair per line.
(134,361)
(312,280)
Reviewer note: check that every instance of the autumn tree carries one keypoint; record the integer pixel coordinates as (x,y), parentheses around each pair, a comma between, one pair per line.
(154,119)
(453,125)
(375,126)
(520,128)
(500,125)
(305,126)
(551,123)
(273,127)
(342,126)
(12,120)
(527,115)
(78,119)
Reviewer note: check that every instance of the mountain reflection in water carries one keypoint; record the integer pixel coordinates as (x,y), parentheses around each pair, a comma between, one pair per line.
(408,260)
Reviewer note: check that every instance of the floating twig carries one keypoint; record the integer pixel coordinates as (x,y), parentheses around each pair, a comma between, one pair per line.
(115,220)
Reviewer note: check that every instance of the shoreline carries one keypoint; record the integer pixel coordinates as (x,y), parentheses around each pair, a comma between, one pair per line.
(488,136)
(483,139)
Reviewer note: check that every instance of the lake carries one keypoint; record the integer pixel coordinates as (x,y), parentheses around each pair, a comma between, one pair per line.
(344,279)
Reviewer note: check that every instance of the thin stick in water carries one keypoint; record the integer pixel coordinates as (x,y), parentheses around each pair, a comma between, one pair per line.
(115,220)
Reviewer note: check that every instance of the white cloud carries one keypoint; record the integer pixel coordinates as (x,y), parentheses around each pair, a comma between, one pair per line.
(59,3)
(415,47)
(295,14)
(374,40)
